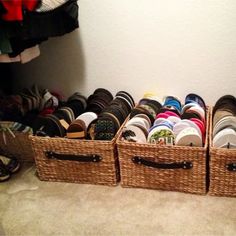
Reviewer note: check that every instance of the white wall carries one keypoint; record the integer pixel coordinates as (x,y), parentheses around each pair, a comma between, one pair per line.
(168,47)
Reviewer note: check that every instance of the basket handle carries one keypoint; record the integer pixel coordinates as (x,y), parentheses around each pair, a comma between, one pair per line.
(70,157)
(175,165)
(231,167)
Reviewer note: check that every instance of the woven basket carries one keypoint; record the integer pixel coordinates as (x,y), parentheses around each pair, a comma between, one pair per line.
(76,161)
(173,168)
(222,170)
(18,146)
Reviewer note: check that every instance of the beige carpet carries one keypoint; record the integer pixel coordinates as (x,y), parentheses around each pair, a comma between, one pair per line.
(32,207)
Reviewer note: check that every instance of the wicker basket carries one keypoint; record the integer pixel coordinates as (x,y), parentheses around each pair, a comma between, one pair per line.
(76,161)
(173,168)
(18,146)
(222,170)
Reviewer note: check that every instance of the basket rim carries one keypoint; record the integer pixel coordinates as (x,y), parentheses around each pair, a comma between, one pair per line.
(32,137)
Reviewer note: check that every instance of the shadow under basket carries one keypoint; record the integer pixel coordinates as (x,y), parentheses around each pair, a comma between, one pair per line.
(171,168)
(76,161)
(222,170)
(18,146)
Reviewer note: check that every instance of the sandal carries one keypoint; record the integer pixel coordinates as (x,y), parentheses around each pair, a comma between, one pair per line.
(4,173)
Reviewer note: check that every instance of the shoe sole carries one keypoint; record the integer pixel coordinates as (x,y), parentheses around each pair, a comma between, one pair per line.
(15,169)
(4,178)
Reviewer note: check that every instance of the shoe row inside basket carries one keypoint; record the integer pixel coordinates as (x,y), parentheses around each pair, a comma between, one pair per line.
(224,122)
(97,118)
(170,123)
(21,107)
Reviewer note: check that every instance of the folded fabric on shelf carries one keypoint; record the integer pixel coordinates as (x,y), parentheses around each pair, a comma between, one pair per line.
(24,57)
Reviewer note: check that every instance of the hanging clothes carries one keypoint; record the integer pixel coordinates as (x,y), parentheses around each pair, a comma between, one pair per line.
(48,5)
(14,8)
(50,23)
(5,46)
(4,58)
(24,57)
(27,23)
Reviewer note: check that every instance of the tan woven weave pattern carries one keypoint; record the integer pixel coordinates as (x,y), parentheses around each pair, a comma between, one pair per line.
(18,146)
(222,181)
(74,171)
(191,180)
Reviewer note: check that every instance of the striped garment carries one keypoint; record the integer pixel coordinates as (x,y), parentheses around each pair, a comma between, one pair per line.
(48,5)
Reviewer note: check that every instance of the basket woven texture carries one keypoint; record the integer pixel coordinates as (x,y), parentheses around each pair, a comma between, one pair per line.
(222,180)
(76,161)
(159,167)
(18,146)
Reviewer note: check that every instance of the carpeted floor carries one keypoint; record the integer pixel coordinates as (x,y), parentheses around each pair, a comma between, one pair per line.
(32,207)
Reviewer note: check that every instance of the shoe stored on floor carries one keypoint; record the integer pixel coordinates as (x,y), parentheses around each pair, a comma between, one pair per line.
(4,173)
(11,164)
